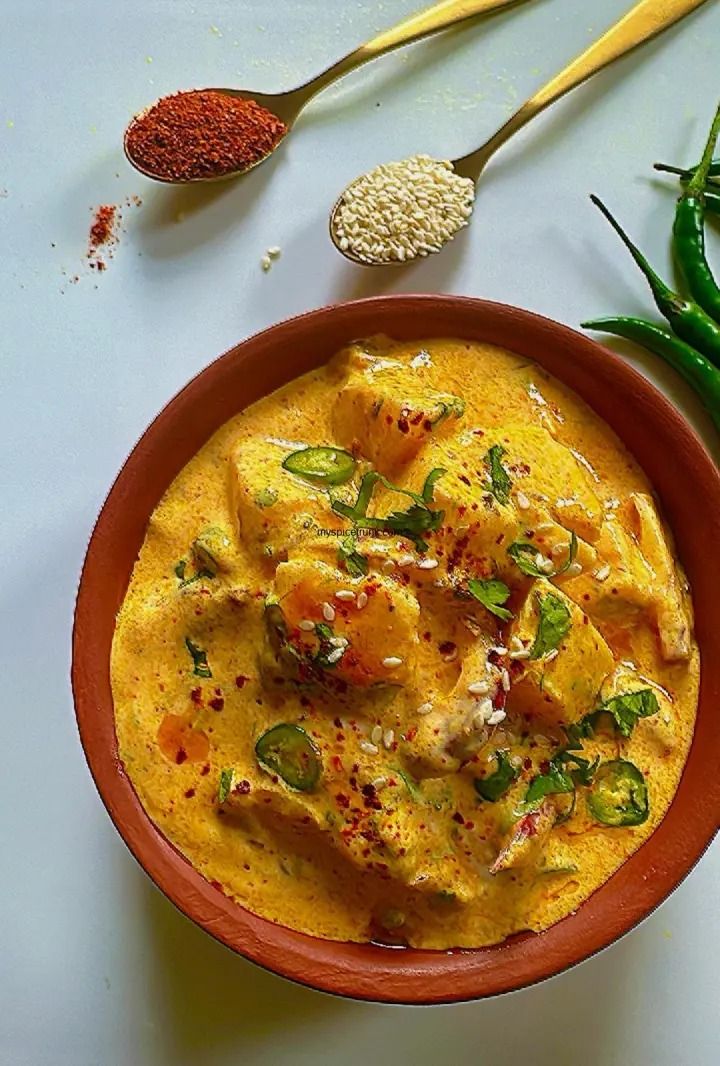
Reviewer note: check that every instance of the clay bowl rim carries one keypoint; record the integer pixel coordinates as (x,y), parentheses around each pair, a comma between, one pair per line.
(681,472)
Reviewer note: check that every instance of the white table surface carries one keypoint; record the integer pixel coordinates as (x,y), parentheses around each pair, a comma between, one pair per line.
(96,967)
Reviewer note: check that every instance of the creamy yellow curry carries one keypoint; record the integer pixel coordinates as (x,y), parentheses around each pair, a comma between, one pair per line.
(406,655)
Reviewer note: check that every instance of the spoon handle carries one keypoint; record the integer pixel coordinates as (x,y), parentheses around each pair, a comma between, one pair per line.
(643,22)
(438,17)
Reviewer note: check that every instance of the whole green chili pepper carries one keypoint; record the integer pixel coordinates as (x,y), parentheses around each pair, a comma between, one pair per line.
(687,318)
(689,233)
(698,371)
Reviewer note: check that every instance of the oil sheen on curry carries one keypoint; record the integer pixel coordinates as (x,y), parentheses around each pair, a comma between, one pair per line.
(407,655)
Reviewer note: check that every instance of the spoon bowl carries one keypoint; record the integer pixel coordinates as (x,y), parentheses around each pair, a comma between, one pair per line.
(285,106)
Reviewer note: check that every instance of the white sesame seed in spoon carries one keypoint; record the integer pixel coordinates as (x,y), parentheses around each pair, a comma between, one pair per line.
(399,212)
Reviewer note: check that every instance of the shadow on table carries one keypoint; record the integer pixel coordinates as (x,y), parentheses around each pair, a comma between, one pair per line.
(434,273)
(211,998)
(212,1002)
(177,219)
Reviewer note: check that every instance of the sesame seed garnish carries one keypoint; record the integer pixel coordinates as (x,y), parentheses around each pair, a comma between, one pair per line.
(559,549)
(552,655)
(479,688)
(522,501)
(391,662)
(574,569)
(376,735)
(405,560)
(425,708)
(515,643)
(379,783)
(521,653)
(500,650)
(274,251)
(361,600)
(306,625)
(328,612)
(602,573)
(388,565)
(345,594)
(496,717)
(368,748)
(505,678)
(266,263)
(335,655)
(427,564)
(389,738)
(338,642)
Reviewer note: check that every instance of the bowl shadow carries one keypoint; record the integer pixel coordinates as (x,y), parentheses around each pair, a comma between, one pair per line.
(210,997)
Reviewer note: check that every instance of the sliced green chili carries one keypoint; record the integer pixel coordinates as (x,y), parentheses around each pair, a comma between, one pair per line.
(452,405)
(618,796)
(321,466)
(287,750)
(686,317)
(225,784)
(695,368)
(208,548)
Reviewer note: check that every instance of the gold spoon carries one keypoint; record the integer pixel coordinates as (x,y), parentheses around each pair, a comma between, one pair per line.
(288,105)
(643,22)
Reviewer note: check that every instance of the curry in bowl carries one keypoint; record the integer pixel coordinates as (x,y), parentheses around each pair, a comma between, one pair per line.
(406,655)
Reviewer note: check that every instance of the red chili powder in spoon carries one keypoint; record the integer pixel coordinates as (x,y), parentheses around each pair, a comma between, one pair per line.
(202,134)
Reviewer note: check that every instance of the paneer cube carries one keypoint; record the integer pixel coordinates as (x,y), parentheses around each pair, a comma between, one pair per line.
(383,414)
(368,639)
(547,472)
(670,603)
(275,509)
(477,529)
(560,688)
(617,587)
(523,844)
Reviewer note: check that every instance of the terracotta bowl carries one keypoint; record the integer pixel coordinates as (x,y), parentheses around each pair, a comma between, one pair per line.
(689,489)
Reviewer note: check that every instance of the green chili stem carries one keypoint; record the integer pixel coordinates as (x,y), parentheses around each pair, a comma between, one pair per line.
(697,182)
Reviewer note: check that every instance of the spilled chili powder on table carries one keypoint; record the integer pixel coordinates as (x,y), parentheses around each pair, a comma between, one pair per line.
(102,233)
(202,134)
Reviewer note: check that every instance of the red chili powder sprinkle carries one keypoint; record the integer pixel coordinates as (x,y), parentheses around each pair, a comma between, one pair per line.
(202,134)
(102,230)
